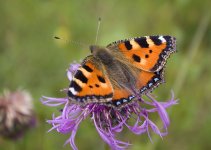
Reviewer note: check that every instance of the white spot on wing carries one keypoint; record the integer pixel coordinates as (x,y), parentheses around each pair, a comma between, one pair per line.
(150,84)
(118,103)
(124,100)
(72,90)
(156,79)
(162,39)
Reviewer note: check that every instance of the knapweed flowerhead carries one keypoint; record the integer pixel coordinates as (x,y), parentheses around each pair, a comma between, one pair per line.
(109,120)
(16,113)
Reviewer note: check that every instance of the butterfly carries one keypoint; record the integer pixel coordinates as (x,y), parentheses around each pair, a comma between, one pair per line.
(114,75)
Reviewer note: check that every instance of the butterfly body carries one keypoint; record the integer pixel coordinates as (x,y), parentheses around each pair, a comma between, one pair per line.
(120,74)
(116,74)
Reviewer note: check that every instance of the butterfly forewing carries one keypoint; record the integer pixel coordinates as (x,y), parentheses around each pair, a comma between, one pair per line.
(148,53)
(90,83)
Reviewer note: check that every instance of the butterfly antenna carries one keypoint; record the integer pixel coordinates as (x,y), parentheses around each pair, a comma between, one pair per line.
(98,27)
(71,41)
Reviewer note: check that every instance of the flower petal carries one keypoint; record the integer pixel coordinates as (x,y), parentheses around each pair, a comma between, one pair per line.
(49,101)
(72,69)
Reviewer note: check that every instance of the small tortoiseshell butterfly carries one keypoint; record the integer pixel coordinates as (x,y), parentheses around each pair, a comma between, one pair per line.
(115,74)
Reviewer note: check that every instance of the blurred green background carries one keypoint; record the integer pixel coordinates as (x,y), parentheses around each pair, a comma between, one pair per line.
(30,58)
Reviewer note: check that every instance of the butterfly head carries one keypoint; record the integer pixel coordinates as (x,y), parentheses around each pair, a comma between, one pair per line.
(94,49)
(101,53)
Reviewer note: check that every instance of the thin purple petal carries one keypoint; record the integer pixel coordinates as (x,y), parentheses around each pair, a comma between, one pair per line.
(72,69)
(49,101)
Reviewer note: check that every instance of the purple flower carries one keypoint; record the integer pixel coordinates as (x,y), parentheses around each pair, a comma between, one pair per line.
(16,114)
(107,120)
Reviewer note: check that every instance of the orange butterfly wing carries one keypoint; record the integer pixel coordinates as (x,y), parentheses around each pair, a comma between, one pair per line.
(146,83)
(147,53)
(149,80)
(90,84)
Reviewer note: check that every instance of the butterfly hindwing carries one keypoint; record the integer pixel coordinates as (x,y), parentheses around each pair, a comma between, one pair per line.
(146,82)
(147,53)
(149,80)
(120,97)
(90,83)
